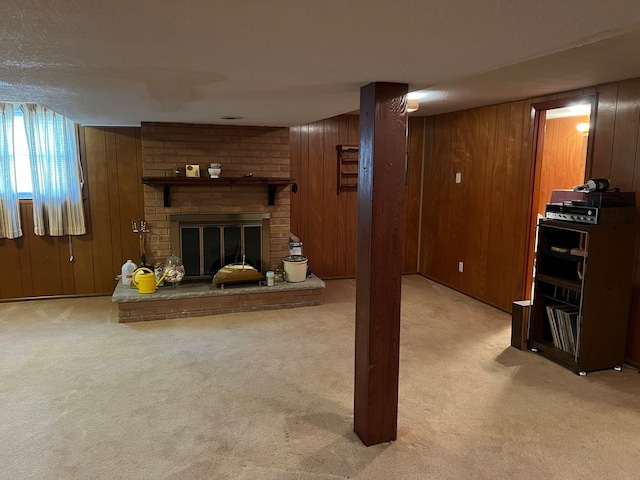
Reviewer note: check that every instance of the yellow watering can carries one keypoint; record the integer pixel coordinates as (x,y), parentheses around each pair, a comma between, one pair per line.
(145,280)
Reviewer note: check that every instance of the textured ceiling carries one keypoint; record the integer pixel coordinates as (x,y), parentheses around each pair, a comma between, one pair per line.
(288,62)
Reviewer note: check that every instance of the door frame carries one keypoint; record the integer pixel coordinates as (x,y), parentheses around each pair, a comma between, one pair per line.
(538,114)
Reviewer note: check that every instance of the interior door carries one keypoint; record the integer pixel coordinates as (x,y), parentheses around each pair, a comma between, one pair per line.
(561,157)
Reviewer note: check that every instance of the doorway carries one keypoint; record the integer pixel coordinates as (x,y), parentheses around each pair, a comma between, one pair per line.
(561,157)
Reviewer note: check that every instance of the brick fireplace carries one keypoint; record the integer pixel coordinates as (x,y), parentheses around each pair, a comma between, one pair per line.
(261,151)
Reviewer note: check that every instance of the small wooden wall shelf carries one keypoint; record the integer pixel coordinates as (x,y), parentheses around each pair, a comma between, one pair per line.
(347,166)
(167,182)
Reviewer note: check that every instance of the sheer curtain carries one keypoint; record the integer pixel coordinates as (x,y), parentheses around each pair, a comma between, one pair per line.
(9,203)
(56,172)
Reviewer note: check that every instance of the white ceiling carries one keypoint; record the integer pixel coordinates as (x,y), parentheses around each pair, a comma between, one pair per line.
(288,62)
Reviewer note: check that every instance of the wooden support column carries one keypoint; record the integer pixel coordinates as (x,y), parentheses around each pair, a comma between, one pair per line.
(381,179)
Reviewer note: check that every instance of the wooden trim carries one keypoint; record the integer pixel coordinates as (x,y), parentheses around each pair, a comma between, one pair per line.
(539,110)
(566,101)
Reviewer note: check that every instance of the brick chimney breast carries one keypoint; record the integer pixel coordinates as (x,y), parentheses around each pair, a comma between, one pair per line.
(262,151)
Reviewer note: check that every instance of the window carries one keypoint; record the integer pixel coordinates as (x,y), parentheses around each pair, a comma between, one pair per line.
(39,160)
(21,152)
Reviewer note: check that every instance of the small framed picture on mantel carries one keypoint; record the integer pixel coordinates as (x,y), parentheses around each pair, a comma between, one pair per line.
(192,170)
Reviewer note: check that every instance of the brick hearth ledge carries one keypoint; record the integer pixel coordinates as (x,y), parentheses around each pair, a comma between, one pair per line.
(202,299)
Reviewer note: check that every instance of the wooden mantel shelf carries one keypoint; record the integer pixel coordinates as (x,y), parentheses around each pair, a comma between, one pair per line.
(167,182)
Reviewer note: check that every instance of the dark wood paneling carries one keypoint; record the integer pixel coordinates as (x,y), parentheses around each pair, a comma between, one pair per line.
(313,245)
(98,178)
(415,143)
(454,245)
(66,267)
(304,193)
(10,259)
(429,221)
(127,195)
(112,169)
(476,221)
(342,215)
(495,256)
(438,183)
(481,148)
(625,136)
(496,205)
(603,129)
(13,260)
(45,260)
(329,234)
(83,244)
(24,249)
(347,206)
(353,138)
(294,148)
(508,264)
(324,220)
(628,105)
(111,159)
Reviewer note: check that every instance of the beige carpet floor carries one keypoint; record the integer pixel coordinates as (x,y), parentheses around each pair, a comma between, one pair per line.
(268,395)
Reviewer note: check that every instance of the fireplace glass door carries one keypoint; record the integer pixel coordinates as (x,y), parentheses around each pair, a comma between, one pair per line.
(207,248)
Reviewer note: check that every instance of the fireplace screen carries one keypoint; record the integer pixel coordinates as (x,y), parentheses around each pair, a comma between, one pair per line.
(205,248)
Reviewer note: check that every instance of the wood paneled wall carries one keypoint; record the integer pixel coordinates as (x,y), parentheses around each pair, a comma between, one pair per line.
(483,221)
(326,221)
(616,155)
(40,266)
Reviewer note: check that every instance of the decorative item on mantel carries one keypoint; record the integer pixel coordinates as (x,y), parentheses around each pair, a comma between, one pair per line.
(214,170)
(192,170)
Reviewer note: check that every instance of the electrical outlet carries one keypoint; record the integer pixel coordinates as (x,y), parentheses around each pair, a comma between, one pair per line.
(458,177)
(461,267)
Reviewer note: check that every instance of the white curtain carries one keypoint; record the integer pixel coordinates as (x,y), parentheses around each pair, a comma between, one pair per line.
(9,203)
(56,172)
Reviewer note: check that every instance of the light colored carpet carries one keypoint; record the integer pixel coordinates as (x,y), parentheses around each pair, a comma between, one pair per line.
(268,395)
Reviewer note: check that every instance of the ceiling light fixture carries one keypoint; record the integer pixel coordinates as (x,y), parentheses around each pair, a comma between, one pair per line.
(413,105)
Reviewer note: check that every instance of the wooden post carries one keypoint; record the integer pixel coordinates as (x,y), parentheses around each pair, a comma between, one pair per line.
(381,179)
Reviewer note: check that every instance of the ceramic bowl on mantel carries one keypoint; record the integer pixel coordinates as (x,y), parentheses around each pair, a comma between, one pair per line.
(214,170)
